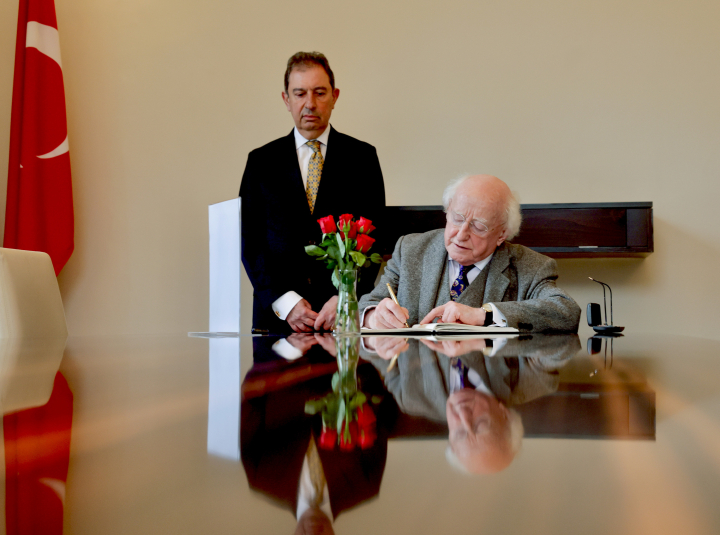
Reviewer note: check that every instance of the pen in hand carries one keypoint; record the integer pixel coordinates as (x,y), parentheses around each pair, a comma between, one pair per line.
(392,294)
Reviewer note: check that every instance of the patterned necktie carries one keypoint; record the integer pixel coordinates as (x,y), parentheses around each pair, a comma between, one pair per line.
(461,369)
(316,473)
(460,283)
(315,168)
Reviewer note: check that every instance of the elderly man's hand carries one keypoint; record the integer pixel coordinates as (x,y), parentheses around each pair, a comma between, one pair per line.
(387,315)
(387,346)
(452,312)
(302,317)
(325,321)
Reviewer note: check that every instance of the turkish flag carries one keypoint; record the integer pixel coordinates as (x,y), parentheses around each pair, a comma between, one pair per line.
(39,211)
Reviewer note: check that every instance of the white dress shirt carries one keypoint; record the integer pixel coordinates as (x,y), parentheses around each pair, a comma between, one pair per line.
(306,494)
(285,303)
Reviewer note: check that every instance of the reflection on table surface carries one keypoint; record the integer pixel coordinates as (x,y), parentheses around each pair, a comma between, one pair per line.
(540,433)
(37,408)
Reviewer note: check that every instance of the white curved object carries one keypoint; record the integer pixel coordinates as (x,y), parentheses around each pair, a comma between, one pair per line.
(30,302)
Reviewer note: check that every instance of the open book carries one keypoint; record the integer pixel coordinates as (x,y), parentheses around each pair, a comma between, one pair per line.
(442,329)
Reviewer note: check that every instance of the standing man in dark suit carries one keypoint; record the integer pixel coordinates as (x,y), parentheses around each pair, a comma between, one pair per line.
(287,186)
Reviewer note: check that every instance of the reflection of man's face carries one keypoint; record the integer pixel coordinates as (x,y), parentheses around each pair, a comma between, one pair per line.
(310,99)
(479,431)
(314,522)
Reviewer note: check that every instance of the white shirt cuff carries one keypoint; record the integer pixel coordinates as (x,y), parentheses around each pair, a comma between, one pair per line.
(362,317)
(284,304)
(498,317)
(286,350)
(498,344)
(362,326)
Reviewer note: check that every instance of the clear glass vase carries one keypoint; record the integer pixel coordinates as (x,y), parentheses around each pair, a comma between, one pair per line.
(348,355)
(347,318)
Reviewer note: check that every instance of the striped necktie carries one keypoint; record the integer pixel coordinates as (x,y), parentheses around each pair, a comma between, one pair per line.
(460,283)
(315,168)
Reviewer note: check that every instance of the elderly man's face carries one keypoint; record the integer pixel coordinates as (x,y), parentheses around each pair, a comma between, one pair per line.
(474,227)
(478,425)
(310,99)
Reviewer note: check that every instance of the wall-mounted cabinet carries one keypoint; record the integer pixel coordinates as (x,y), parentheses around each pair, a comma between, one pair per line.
(557,230)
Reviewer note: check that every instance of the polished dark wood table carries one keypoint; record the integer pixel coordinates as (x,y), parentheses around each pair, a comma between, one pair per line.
(173,434)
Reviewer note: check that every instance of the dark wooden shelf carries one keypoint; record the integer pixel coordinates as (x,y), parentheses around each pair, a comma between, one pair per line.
(561,230)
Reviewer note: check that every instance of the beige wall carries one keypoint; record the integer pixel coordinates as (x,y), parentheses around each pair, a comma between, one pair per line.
(567,101)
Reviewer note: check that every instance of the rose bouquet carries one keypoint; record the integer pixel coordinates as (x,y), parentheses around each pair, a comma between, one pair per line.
(348,421)
(344,246)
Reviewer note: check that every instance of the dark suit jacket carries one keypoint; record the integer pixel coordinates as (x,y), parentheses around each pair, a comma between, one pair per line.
(275,432)
(277,223)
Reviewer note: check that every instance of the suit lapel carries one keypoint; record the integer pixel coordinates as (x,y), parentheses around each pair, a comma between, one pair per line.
(475,292)
(503,378)
(476,361)
(497,282)
(435,261)
(295,182)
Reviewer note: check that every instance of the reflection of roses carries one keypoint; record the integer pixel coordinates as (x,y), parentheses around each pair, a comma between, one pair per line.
(364,242)
(328,437)
(348,420)
(367,438)
(365,416)
(349,439)
(365,226)
(327,224)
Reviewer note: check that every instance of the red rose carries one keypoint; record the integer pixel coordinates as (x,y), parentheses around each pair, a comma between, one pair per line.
(352,232)
(328,438)
(366,439)
(348,444)
(327,224)
(365,416)
(364,242)
(344,219)
(365,226)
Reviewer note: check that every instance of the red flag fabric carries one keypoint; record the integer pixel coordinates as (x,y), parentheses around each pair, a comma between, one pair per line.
(37,456)
(39,210)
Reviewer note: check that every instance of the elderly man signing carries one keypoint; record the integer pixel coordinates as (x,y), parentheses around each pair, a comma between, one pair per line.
(469,273)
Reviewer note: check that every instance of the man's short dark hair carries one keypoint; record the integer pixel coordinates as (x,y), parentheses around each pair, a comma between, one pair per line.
(308,59)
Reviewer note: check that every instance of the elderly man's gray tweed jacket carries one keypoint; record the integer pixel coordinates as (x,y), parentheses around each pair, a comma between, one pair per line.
(520,283)
(420,381)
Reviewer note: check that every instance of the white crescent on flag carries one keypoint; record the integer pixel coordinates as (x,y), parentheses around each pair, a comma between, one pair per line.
(46,40)
(57,151)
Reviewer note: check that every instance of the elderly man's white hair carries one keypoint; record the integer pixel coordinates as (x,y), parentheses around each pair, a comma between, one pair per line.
(513,437)
(513,217)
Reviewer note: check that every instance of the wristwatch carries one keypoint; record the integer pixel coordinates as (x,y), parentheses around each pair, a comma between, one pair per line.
(487,307)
